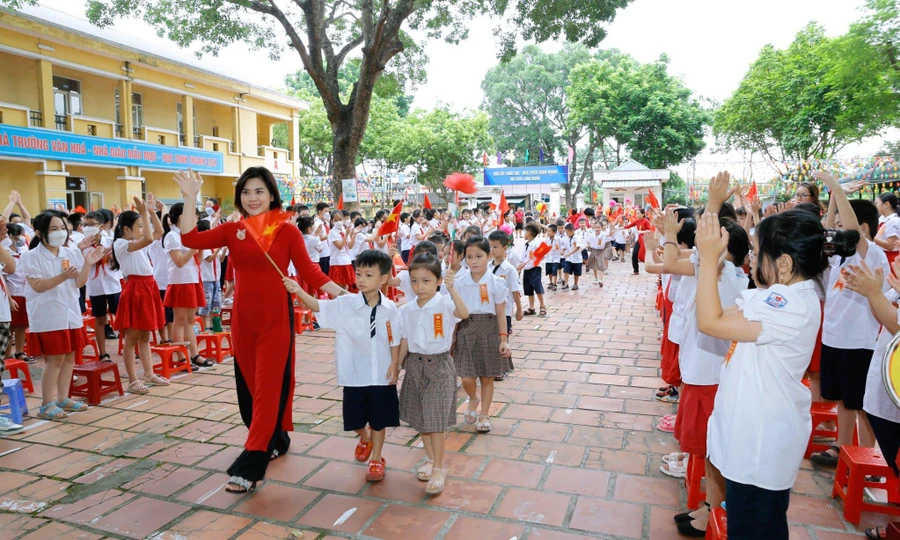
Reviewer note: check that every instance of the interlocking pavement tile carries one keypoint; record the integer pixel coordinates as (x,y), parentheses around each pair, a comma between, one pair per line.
(276,502)
(475,497)
(662,526)
(592,436)
(53,531)
(617,460)
(152,448)
(398,521)
(642,489)
(205,525)
(340,513)
(334,448)
(89,508)
(33,497)
(187,453)
(514,473)
(399,486)
(12,480)
(628,422)
(290,469)
(123,419)
(101,440)
(140,517)
(211,492)
(71,465)
(486,445)
(201,430)
(269,531)
(164,480)
(222,460)
(402,457)
(553,400)
(815,511)
(578,481)
(551,452)
(337,476)
(14,525)
(576,416)
(543,431)
(608,517)
(235,436)
(455,440)
(466,528)
(527,412)
(60,434)
(544,534)
(160,423)
(534,507)
(103,471)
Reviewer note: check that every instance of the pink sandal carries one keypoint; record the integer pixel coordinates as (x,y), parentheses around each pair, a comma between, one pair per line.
(667,424)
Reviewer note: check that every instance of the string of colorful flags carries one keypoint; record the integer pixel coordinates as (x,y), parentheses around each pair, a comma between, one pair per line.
(510,156)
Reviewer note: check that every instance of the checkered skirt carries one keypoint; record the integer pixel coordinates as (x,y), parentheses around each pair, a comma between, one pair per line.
(428,394)
(477,348)
(598,259)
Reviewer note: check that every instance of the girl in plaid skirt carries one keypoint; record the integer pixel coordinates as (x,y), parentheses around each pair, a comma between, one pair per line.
(482,349)
(428,395)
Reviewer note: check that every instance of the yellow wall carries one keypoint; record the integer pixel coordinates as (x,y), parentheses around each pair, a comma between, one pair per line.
(160,109)
(20,176)
(18,80)
(212,114)
(98,94)
(100,180)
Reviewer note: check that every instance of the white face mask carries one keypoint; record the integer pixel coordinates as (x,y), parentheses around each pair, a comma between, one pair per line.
(57,238)
(327,216)
(210,212)
(91,231)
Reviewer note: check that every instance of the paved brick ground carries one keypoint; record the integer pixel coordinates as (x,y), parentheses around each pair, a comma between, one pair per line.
(574,452)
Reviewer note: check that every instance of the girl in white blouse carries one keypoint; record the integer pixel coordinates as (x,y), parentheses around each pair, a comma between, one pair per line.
(760,423)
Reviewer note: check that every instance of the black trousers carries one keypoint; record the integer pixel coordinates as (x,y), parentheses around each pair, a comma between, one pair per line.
(634,257)
(887,434)
(755,513)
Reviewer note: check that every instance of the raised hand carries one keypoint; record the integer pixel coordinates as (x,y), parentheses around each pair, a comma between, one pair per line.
(861,279)
(95,255)
(718,188)
(711,238)
(190,183)
(139,206)
(672,225)
(449,279)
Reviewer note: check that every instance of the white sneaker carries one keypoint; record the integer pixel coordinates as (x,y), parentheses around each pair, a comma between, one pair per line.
(7,427)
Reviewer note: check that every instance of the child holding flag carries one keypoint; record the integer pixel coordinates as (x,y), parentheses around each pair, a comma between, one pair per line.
(535,251)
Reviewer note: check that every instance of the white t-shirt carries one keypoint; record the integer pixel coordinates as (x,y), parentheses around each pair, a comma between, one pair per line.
(159,259)
(405,239)
(891,228)
(135,263)
(577,244)
(187,274)
(555,250)
(876,401)
(102,279)
(313,247)
(682,300)
(339,256)
(16,280)
(429,329)
(509,274)
(360,245)
(849,322)
(57,308)
(760,423)
(482,297)
(406,285)
(360,359)
(414,231)
(619,236)
(326,249)
(209,271)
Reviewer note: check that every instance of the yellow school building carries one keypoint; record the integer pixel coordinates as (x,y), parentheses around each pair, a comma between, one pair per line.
(91,122)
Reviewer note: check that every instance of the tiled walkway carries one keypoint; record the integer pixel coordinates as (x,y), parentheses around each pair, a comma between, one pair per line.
(574,452)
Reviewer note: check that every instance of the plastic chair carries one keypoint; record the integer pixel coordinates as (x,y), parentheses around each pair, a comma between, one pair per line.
(95,387)
(696,472)
(717,529)
(303,320)
(14,367)
(168,363)
(855,463)
(17,407)
(213,345)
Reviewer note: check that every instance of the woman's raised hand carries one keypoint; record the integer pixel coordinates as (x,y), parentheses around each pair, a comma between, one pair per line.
(190,183)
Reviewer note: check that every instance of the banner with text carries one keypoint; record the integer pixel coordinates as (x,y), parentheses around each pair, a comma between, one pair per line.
(65,146)
(513,176)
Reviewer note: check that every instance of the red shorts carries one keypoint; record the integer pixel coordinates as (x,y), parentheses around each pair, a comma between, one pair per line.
(139,306)
(188,295)
(695,406)
(20,317)
(344,275)
(816,359)
(57,342)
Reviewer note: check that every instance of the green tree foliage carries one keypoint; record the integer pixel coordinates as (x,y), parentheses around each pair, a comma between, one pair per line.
(811,99)
(325,34)
(638,108)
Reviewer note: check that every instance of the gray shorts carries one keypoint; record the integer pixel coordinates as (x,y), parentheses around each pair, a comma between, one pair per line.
(213,294)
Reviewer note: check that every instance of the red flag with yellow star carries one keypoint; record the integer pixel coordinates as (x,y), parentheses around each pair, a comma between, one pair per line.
(264,227)
(392,222)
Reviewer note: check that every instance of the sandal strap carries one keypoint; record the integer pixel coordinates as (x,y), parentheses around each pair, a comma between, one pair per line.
(242,482)
(51,409)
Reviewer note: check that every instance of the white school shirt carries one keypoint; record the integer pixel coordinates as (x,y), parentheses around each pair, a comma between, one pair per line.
(135,263)
(102,279)
(209,271)
(682,298)
(891,227)
(528,253)
(456,277)
(849,322)
(187,274)
(585,237)
(339,256)
(5,310)
(429,329)
(876,401)
(555,250)
(360,359)
(361,244)
(414,231)
(574,242)
(326,249)
(159,259)
(509,274)
(405,238)
(495,292)
(57,308)
(406,285)
(15,281)
(700,356)
(619,236)
(110,238)
(760,423)
(313,247)
(462,224)
(75,238)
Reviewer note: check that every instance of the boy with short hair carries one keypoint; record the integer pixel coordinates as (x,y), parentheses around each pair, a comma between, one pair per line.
(551,261)
(502,268)
(368,362)
(531,269)
(572,257)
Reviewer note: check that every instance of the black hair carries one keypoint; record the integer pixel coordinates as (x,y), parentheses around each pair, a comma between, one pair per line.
(727,211)
(14,229)
(305,223)
(404,216)
(425,247)
(75,220)
(812,208)
(800,235)
(479,242)
(553,227)
(373,258)
(473,230)
(14,215)
(866,212)
(203,225)
(97,216)
(170,219)
(570,227)
(107,215)
(589,212)
(458,246)
(738,241)
(126,219)
(42,226)
(379,215)
(321,206)
(429,214)
(426,261)
(891,199)
(687,233)
(213,200)
(336,213)
(299,208)
(267,178)
(437,239)
(354,214)
(416,214)
(533,228)
(499,236)
(360,221)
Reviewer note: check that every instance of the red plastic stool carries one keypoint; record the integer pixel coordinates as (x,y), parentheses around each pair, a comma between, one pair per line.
(214,345)
(824,412)
(199,325)
(95,387)
(226,316)
(717,529)
(854,464)
(303,320)
(90,340)
(14,367)
(696,471)
(168,363)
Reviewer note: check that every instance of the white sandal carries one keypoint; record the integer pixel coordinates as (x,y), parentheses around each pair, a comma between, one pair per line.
(483,426)
(424,472)
(675,457)
(436,486)
(471,415)
(674,469)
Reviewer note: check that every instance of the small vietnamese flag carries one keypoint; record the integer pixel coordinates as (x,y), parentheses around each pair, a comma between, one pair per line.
(752,192)
(340,204)
(503,206)
(651,198)
(293,201)
(539,253)
(392,222)
(426,203)
(264,227)
(79,209)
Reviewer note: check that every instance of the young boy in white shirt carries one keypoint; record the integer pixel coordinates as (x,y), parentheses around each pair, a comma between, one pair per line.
(551,261)
(531,269)
(367,357)
(502,268)
(573,260)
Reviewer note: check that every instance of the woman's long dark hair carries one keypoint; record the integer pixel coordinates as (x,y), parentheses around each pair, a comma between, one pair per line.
(126,219)
(267,178)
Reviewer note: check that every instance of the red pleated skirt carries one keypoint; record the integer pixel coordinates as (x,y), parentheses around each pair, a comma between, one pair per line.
(187,295)
(20,317)
(345,276)
(58,342)
(671,371)
(695,406)
(139,306)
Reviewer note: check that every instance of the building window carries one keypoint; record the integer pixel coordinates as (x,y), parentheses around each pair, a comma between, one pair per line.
(137,110)
(180,118)
(66,96)
(215,131)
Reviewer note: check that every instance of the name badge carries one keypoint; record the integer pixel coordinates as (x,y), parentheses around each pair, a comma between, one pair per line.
(389,333)
(484,293)
(438,325)
(730,352)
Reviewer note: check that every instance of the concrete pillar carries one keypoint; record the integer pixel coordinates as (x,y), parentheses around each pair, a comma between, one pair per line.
(45,92)
(51,185)
(187,113)
(554,201)
(125,109)
(236,130)
(294,142)
(130,187)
